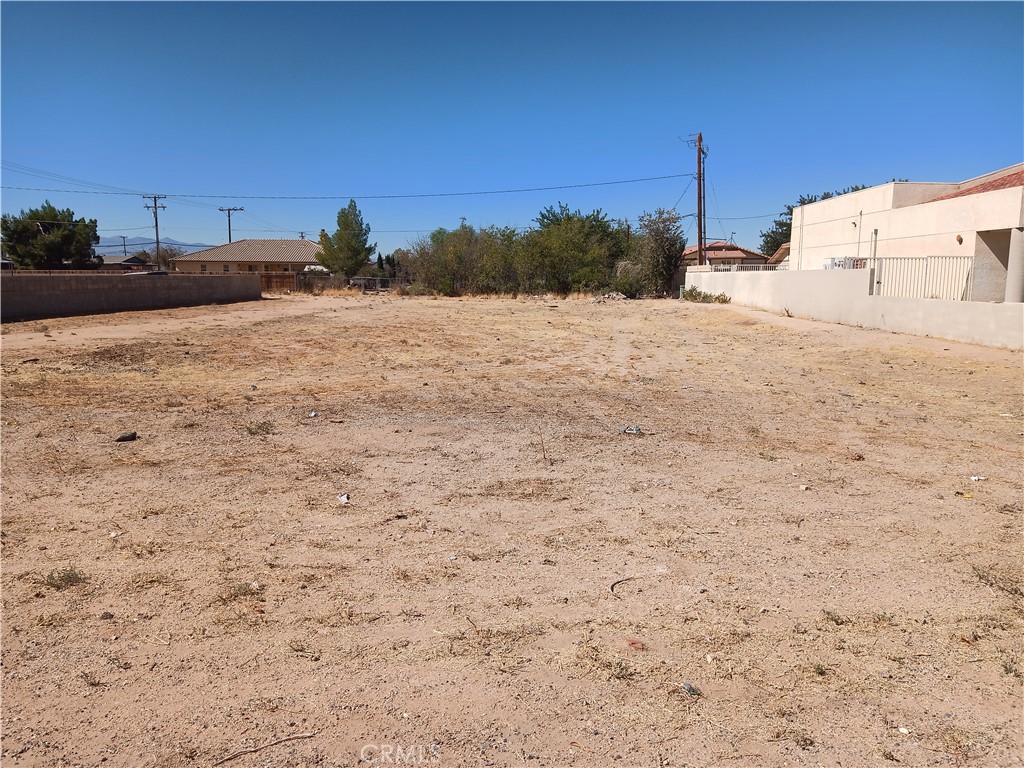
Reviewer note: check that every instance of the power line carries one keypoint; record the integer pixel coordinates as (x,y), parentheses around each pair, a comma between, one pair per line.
(684,194)
(29,171)
(98,229)
(372,197)
(744,218)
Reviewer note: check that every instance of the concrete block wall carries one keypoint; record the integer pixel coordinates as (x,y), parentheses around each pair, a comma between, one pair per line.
(28,295)
(841,296)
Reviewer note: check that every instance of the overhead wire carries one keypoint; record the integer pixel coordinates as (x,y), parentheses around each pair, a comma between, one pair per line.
(369,197)
(196,200)
(684,193)
(39,173)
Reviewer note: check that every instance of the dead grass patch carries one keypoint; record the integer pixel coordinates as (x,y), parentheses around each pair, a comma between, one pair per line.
(64,578)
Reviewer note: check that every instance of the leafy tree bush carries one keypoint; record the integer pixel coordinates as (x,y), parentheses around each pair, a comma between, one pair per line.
(661,247)
(48,238)
(569,251)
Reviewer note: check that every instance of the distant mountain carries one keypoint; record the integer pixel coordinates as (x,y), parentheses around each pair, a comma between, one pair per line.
(114,245)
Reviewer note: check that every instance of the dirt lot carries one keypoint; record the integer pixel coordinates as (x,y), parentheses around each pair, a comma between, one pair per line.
(790,565)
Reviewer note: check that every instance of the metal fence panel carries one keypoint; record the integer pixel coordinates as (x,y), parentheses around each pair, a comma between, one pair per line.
(924,277)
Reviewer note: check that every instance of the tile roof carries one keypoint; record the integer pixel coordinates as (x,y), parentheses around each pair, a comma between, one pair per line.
(719,249)
(1008,181)
(276,251)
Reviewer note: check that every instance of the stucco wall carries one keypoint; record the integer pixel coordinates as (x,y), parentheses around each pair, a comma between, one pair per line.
(841,296)
(825,230)
(25,296)
(991,254)
(243,267)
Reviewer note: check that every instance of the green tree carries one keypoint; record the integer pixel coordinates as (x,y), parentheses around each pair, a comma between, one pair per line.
(661,247)
(781,230)
(167,255)
(570,251)
(48,238)
(347,251)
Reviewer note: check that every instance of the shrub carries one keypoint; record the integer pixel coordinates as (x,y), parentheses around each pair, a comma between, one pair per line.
(692,293)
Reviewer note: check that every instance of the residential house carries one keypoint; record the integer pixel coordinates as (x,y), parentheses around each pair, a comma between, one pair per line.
(781,256)
(718,253)
(251,256)
(116,262)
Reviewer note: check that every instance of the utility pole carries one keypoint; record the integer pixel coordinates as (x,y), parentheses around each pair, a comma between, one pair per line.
(228,212)
(704,202)
(700,207)
(702,225)
(156,221)
(124,243)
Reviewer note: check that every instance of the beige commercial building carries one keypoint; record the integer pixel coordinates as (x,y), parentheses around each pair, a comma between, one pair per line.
(974,226)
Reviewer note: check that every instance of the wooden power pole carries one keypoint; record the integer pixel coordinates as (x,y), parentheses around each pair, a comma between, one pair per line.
(701,206)
(156,221)
(228,212)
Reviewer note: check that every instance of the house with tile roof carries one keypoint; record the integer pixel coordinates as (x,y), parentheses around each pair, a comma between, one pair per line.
(251,256)
(720,252)
(972,230)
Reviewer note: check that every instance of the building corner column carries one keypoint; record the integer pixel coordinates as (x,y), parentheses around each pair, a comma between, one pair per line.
(1015,267)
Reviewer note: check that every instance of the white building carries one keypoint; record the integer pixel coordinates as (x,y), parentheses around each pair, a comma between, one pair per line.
(972,232)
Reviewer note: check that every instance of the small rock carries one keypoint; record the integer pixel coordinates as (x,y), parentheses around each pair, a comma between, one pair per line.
(126,437)
(106,615)
(904,731)
(691,689)
(805,487)
(343,498)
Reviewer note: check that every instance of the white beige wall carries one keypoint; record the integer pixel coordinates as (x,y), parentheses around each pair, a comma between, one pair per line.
(841,296)
(991,256)
(234,268)
(824,230)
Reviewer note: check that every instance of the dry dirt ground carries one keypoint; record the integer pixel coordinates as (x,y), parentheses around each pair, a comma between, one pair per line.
(790,565)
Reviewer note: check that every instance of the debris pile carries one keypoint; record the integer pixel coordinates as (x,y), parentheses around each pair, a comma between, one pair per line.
(613,296)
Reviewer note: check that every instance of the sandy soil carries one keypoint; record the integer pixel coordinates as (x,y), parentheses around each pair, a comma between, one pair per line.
(791,565)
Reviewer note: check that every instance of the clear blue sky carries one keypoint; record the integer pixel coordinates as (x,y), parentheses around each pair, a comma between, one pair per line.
(360,99)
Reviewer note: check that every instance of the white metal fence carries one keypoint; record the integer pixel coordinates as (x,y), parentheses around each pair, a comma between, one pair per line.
(738,268)
(908,277)
(923,277)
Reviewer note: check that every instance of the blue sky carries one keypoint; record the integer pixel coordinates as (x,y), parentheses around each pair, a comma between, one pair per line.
(242,100)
